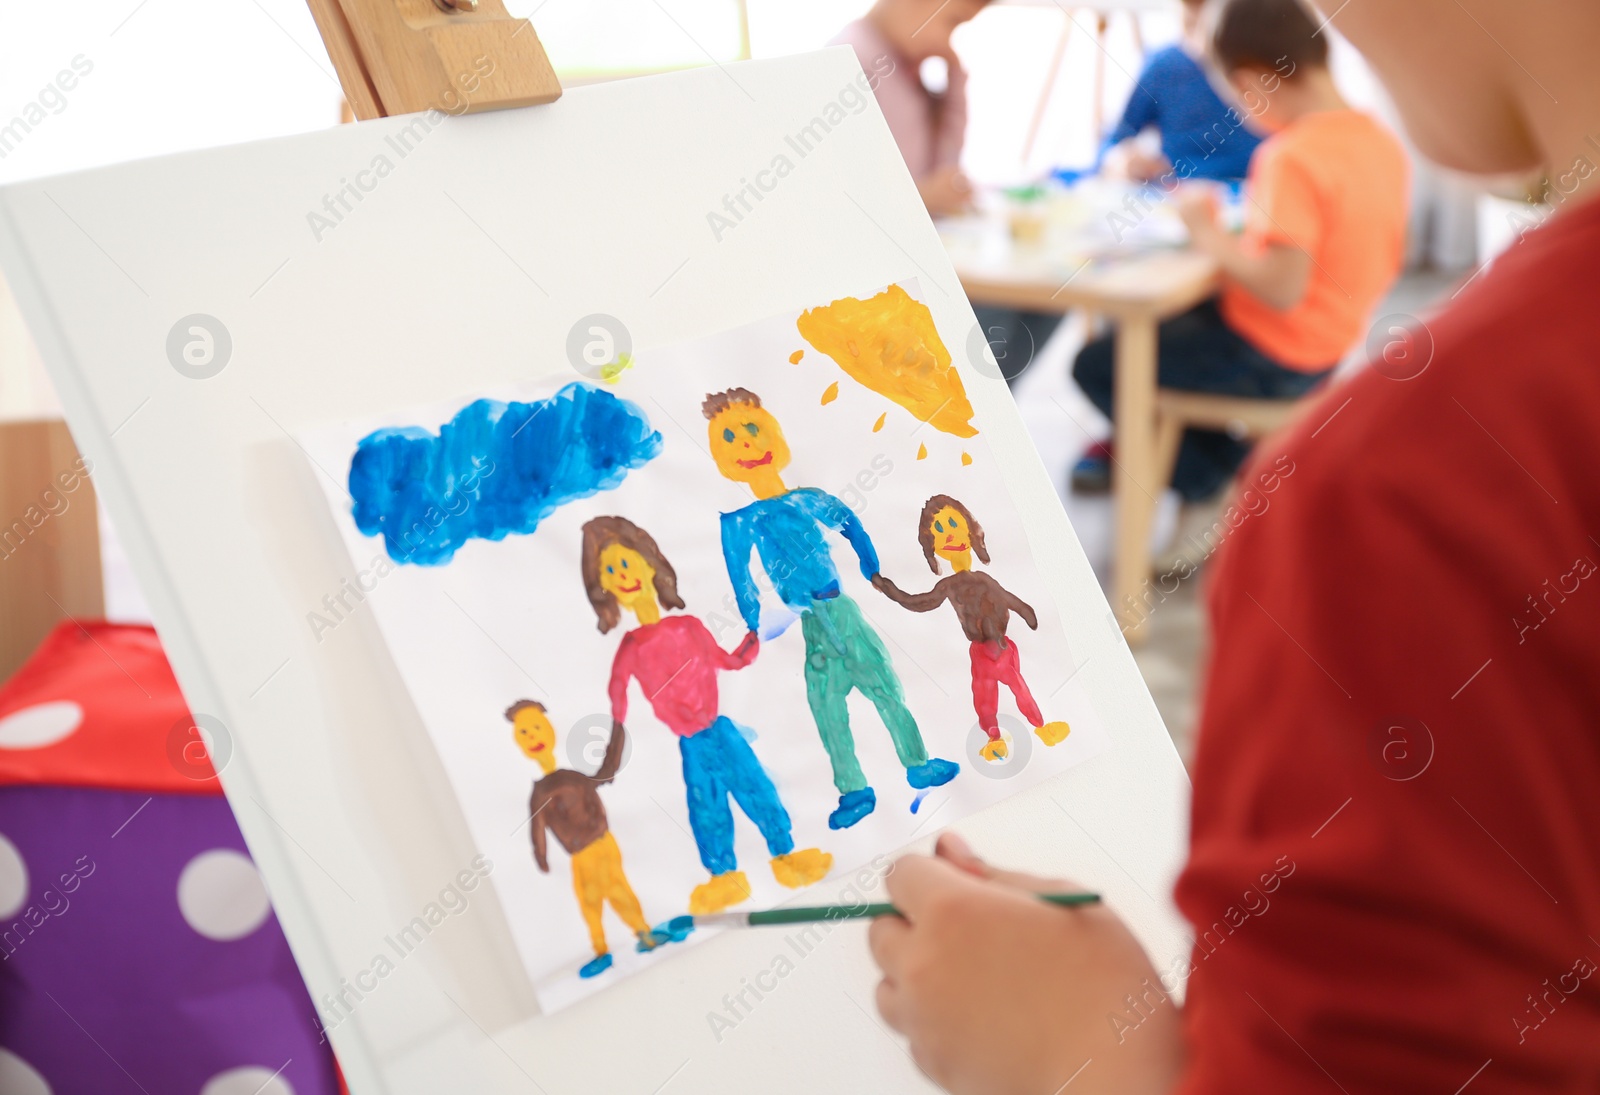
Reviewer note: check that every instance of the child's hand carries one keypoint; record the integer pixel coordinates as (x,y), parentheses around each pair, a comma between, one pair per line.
(998,992)
(1199,209)
(946,191)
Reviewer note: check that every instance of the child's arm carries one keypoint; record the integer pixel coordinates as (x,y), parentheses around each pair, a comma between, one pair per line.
(621,674)
(1021,608)
(613,758)
(1278,276)
(540,801)
(976,953)
(916,602)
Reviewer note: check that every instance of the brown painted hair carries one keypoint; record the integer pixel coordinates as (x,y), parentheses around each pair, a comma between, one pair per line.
(925,534)
(1277,35)
(733,397)
(600,534)
(523,705)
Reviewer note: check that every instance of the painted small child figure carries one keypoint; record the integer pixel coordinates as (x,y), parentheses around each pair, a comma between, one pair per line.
(567,803)
(947,531)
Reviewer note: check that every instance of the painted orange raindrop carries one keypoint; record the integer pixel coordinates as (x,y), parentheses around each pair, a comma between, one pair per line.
(831,394)
(922,452)
(794,358)
(966,458)
(878,425)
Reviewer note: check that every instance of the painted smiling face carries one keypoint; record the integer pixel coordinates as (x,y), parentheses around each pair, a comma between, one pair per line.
(747,444)
(951,538)
(535,737)
(627,576)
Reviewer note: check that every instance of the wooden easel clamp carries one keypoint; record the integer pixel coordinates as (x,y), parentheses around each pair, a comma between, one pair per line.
(458,56)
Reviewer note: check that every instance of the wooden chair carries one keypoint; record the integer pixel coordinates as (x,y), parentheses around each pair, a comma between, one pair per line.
(1250,419)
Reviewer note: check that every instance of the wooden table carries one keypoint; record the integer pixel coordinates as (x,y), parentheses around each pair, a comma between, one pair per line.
(1136,291)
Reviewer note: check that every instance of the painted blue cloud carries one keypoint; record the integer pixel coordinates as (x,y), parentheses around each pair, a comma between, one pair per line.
(493,469)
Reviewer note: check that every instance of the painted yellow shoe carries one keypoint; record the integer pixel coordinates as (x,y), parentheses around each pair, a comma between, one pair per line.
(1053,733)
(994,750)
(718,893)
(801,868)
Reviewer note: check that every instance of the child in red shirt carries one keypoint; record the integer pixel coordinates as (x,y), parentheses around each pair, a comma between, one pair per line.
(1394,873)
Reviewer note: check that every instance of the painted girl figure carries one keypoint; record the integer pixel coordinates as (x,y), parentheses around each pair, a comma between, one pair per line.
(947,531)
(676,660)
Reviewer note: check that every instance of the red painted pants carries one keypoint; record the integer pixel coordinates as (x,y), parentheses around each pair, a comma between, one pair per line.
(992,667)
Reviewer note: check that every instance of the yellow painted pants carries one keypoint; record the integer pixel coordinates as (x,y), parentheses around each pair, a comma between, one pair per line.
(597,878)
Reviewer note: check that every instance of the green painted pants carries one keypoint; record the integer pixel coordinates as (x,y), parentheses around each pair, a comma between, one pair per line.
(843,652)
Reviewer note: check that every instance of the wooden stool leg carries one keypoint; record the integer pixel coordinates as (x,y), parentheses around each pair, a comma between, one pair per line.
(1135,480)
(1169,435)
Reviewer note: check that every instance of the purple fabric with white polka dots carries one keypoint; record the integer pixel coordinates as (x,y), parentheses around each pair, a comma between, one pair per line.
(105,985)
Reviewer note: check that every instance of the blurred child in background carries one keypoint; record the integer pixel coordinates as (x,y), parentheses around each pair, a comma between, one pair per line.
(1324,240)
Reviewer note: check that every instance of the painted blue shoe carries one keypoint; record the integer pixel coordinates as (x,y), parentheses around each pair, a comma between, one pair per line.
(853,806)
(935,773)
(596,966)
(650,940)
(675,930)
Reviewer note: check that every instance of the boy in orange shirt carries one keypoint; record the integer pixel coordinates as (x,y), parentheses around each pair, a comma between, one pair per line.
(1323,242)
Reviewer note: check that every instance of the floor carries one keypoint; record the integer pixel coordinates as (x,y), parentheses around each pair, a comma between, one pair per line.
(1062,422)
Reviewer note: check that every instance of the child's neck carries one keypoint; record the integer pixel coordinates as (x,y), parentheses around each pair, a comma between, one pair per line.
(1309,92)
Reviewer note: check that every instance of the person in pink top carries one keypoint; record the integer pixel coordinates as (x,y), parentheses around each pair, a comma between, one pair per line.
(676,661)
(929,125)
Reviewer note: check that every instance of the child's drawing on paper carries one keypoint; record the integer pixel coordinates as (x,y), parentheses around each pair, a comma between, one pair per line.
(566,804)
(518,575)
(676,660)
(947,531)
(842,652)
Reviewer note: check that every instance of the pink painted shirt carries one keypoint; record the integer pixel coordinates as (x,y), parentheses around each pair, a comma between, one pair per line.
(929,129)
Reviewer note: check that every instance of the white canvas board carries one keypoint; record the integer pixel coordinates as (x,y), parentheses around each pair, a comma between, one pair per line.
(462,270)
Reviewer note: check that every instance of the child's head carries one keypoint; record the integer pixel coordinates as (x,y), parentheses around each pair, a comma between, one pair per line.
(623,568)
(1261,46)
(947,531)
(535,736)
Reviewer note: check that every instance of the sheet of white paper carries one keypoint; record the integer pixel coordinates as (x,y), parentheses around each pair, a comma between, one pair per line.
(508,619)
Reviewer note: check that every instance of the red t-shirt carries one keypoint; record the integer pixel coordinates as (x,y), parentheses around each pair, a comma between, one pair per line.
(676,660)
(1392,908)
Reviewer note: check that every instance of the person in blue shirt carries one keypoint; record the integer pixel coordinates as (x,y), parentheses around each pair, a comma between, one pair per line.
(843,653)
(1201,136)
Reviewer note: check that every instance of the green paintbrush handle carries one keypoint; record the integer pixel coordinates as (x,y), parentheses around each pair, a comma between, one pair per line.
(858,912)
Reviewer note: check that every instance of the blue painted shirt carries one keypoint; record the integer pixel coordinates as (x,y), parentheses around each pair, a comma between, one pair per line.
(1201,135)
(787,532)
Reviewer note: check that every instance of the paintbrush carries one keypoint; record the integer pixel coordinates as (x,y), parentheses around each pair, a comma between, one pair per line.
(813,914)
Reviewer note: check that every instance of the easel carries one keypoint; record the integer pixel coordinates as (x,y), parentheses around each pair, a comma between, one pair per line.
(406,56)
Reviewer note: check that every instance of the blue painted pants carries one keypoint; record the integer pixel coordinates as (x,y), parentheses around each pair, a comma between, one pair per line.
(718,762)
